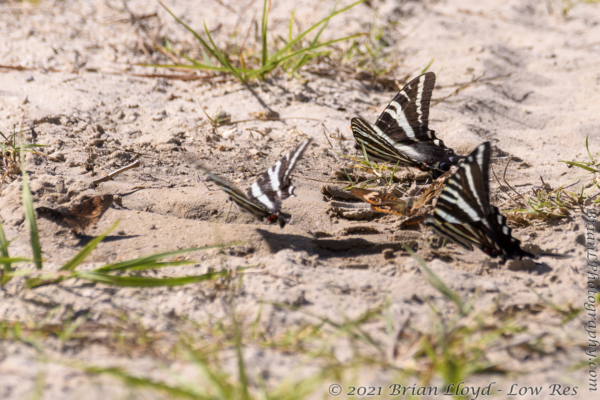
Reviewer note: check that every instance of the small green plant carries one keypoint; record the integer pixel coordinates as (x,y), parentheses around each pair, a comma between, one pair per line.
(11,155)
(547,203)
(589,166)
(291,56)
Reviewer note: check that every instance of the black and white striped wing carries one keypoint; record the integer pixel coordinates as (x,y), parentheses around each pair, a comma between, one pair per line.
(244,202)
(506,243)
(377,146)
(401,133)
(463,212)
(275,184)
(465,199)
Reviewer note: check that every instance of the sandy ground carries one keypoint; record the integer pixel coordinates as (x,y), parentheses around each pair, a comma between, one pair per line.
(539,100)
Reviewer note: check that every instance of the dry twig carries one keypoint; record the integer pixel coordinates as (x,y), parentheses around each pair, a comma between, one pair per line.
(117,172)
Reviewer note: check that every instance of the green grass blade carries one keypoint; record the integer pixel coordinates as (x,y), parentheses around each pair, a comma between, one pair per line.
(137,262)
(30,146)
(45,279)
(291,25)
(365,154)
(196,66)
(428,66)
(12,260)
(587,148)
(71,328)
(222,58)
(182,66)
(274,62)
(580,165)
(440,71)
(350,179)
(285,49)
(393,173)
(87,249)
(189,29)
(305,58)
(263,31)
(36,249)
(139,281)
(243,378)
(438,284)
(4,257)
(209,374)
(158,265)
(145,383)
(207,59)
(213,51)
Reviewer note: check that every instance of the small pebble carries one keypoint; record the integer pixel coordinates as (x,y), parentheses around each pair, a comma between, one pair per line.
(160,116)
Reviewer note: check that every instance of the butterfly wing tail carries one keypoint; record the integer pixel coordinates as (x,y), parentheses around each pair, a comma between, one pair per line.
(554,255)
(283,219)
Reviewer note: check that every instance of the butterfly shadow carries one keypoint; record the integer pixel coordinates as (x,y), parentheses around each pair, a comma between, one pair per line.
(325,248)
(85,239)
(527,265)
(542,268)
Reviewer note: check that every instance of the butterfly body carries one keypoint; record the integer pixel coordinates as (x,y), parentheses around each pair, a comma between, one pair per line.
(263,199)
(79,217)
(401,134)
(463,212)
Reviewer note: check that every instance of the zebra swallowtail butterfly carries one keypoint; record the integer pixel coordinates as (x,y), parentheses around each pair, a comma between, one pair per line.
(400,134)
(463,212)
(264,197)
(79,217)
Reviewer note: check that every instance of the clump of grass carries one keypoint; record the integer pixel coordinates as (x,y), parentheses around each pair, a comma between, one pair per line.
(558,203)
(548,203)
(11,155)
(544,202)
(589,166)
(292,54)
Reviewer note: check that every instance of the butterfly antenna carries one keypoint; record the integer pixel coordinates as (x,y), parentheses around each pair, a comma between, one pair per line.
(508,184)
(497,180)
